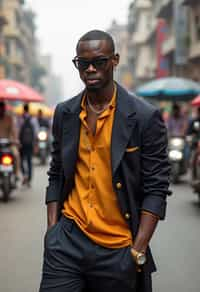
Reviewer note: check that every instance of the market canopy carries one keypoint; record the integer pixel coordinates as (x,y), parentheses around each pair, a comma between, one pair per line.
(170,89)
(16,91)
(34,108)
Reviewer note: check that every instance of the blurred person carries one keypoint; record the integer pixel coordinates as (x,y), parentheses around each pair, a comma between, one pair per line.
(177,123)
(27,137)
(194,132)
(193,127)
(108,182)
(8,130)
(42,121)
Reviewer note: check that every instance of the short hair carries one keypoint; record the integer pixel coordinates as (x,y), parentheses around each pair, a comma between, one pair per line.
(96,35)
(26,107)
(2,104)
(176,107)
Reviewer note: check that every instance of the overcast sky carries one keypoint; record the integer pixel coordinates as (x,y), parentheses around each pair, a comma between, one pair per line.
(60,24)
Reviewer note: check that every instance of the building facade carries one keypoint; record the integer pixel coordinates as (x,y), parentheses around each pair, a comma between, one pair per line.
(3,22)
(194,39)
(142,29)
(120,35)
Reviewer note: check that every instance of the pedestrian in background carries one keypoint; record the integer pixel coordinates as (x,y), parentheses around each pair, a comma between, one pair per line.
(27,137)
(8,130)
(108,182)
(177,123)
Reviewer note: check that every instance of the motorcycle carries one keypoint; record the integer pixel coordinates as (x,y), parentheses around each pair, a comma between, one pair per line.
(177,158)
(7,169)
(43,145)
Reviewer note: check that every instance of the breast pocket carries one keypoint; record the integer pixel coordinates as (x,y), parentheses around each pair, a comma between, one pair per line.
(132,156)
(132,149)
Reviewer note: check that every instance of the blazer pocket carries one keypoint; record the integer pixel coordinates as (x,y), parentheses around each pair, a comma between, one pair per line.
(132,149)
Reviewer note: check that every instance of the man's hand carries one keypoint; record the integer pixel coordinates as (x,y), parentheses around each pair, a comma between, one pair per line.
(52,214)
(148,223)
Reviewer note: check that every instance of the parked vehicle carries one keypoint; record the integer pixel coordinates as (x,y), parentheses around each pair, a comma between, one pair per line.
(177,158)
(7,169)
(43,145)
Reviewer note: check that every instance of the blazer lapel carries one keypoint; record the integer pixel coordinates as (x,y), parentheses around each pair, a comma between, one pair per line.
(124,123)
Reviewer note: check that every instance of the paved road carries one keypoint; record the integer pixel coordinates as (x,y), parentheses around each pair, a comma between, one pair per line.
(176,244)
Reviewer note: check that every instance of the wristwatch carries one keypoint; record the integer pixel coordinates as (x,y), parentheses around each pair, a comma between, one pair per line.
(139,257)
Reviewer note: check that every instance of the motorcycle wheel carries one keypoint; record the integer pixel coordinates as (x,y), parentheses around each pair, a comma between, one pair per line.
(43,157)
(6,188)
(175,173)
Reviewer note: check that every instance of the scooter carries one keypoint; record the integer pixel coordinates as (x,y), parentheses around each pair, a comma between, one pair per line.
(7,169)
(43,145)
(177,158)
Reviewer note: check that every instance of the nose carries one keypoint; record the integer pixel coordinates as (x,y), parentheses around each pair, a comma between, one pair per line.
(91,68)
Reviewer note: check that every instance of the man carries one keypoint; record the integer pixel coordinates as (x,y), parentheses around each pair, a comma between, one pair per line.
(8,130)
(194,132)
(27,136)
(177,123)
(42,122)
(109,180)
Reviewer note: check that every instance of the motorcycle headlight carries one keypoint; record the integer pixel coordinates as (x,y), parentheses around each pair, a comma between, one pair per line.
(42,136)
(177,142)
(175,155)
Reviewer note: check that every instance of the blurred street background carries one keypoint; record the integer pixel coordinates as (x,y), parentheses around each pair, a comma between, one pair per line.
(159,46)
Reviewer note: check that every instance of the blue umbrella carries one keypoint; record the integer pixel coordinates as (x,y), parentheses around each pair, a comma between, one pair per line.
(170,88)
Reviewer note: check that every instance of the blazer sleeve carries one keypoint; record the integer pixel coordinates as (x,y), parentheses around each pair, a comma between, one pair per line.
(55,173)
(155,166)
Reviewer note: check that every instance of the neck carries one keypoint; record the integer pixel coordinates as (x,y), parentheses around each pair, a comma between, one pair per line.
(102,95)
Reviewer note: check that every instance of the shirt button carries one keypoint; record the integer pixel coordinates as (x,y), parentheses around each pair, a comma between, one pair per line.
(127,216)
(118,185)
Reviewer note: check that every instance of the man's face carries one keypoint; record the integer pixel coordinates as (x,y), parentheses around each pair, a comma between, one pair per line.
(96,61)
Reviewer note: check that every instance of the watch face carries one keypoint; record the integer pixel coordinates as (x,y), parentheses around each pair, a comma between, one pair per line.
(141,259)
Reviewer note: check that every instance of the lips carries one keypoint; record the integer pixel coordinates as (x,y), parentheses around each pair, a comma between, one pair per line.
(92,81)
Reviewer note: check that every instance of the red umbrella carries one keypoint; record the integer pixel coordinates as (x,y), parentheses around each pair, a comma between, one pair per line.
(14,90)
(196,101)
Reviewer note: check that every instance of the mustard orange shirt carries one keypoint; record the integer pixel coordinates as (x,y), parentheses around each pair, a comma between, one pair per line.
(93,204)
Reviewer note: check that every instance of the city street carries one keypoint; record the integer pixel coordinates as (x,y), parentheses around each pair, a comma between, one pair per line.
(22,225)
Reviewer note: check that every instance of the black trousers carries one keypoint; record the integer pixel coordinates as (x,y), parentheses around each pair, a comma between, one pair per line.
(26,154)
(74,263)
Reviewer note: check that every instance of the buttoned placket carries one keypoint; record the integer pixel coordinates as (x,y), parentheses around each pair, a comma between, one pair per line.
(91,144)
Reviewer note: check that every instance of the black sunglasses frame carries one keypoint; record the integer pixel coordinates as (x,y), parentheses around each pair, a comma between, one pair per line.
(97,63)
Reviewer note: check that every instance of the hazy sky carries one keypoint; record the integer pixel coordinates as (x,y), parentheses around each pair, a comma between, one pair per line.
(60,24)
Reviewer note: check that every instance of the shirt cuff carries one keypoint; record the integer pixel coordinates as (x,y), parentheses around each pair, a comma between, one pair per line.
(151,214)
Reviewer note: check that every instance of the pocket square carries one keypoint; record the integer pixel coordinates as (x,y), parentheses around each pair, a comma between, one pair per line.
(132,149)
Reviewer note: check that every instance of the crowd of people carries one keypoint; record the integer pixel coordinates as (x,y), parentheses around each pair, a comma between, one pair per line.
(185,123)
(22,132)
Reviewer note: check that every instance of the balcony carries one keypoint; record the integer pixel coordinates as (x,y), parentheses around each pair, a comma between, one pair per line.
(12,32)
(16,60)
(195,51)
(3,19)
(139,38)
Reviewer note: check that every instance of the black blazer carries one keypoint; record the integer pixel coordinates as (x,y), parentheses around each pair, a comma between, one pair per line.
(139,159)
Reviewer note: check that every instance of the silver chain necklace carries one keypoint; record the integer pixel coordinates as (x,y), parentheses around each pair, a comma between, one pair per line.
(98,112)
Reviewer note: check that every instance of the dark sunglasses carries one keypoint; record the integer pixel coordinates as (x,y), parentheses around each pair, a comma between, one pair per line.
(98,63)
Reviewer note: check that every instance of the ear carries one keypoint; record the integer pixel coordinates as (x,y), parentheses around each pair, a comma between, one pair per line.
(116,60)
